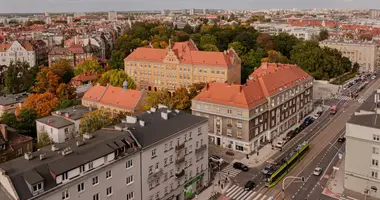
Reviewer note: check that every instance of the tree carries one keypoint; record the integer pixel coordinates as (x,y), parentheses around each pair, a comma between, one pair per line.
(188,29)
(65,92)
(67,103)
(207,40)
(182,36)
(43,140)
(47,81)
(18,77)
(9,119)
(27,121)
(117,59)
(366,36)
(238,47)
(284,43)
(89,66)
(94,121)
(265,41)
(181,99)
(116,77)
(63,69)
(210,47)
(323,34)
(43,103)
(160,97)
(195,89)
(355,67)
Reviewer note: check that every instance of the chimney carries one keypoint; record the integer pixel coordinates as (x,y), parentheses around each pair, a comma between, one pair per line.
(4,131)
(131,119)
(142,123)
(264,65)
(164,115)
(67,115)
(207,86)
(241,89)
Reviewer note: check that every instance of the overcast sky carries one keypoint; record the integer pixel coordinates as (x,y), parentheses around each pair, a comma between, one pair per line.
(10,6)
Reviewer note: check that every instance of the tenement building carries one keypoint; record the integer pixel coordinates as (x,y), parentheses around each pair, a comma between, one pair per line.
(366,54)
(242,117)
(159,154)
(181,65)
(362,172)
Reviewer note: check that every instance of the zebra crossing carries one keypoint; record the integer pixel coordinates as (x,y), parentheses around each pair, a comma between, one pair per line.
(238,193)
(230,171)
(346,98)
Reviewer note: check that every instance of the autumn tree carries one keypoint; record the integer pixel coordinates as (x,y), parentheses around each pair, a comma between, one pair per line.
(153,98)
(43,140)
(265,41)
(181,99)
(195,89)
(89,66)
(43,103)
(65,92)
(94,121)
(116,78)
(47,81)
(63,69)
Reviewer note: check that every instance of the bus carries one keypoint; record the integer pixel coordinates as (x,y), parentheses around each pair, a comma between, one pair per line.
(333,110)
(288,163)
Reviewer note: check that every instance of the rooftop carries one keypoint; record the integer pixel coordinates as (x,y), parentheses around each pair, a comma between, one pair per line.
(156,128)
(12,99)
(104,142)
(74,113)
(55,121)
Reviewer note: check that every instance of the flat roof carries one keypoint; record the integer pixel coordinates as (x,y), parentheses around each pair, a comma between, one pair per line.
(54,121)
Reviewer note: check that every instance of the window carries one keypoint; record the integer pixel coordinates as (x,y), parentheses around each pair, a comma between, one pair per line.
(130,196)
(128,164)
(154,153)
(80,187)
(109,191)
(189,135)
(81,168)
(64,176)
(165,161)
(150,169)
(65,195)
(229,111)
(166,147)
(171,173)
(171,158)
(170,144)
(90,165)
(196,144)
(129,180)
(199,130)
(374,174)
(95,197)
(108,174)
(375,150)
(376,137)
(95,180)
(158,195)
(157,164)
(375,162)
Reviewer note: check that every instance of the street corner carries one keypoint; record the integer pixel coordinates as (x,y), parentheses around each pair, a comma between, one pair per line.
(327,192)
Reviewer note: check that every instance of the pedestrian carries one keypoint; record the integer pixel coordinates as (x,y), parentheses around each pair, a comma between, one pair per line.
(226,180)
(228,174)
(247,156)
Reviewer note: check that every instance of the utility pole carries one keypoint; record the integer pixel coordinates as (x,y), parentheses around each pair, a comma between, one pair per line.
(293,178)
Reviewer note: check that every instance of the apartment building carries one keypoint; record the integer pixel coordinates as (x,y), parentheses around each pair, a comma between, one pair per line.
(13,144)
(174,153)
(74,54)
(101,165)
(17,51)
(362,171)
(181,65)
(374,13)
(9,103)
(303,33)
(243,117)
(366,54)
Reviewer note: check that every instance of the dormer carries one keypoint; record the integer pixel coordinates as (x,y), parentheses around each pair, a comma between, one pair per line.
(171,57)
(34,181)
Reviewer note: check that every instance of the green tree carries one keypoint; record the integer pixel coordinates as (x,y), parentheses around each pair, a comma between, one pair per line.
(9,119)
(188,29)
(238,47)
(181,99)
(117,59)
(195,89)
(210,47)
(355,67)
(116,77)
(207,40)
(323,34)
(18,77)
(284,43)
(67,103)
(43,140)
(182,36)
(27,121)
(94,121)
(63,69)
(89,66)
(65,92)
(154,98)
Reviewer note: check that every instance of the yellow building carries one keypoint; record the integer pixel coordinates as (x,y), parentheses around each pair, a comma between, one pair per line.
(181,65)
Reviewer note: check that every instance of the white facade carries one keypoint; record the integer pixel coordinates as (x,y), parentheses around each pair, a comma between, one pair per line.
(305,33)
(57,135)
(16,52)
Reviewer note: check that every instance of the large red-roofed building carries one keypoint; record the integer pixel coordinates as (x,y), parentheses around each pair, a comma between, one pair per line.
(243,117)
(181,65)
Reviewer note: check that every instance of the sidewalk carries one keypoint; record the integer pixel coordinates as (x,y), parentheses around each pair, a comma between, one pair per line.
(215,187)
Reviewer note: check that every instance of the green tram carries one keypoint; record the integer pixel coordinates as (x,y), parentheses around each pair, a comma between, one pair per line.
(288,163)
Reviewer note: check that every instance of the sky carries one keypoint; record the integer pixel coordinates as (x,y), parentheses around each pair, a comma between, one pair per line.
(23,6)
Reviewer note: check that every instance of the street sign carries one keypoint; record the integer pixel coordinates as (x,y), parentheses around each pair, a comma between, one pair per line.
(340,155)
(336,168)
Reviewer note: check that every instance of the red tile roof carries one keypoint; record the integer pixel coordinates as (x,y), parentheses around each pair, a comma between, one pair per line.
(269,79)
(85,77)
(186,52)
(114,96)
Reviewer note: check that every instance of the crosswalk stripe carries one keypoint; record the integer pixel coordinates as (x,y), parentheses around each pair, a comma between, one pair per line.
(244,197)
(233,191)
(251,196)
(230,189)
(241,194)
(236,192)
(257,197)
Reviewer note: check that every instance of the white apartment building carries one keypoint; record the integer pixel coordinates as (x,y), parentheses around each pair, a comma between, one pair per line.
(366,54)
(17,52)
(362,170)
(304,33)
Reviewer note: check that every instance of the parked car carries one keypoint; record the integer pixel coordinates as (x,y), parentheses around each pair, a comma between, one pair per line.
(291,133)
(268,170)
(317,171)
(216,159)
(280,144)
(287,138)
(341,139)
(308,120)
(249,185)
(241,166)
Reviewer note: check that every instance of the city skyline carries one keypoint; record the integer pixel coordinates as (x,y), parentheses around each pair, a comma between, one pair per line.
(24,6)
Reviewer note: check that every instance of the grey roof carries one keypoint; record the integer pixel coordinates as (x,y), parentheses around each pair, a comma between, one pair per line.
(12,99)
(156,128)
(369,104)
(368,120)
(21,170)
(54,121)
(76,112)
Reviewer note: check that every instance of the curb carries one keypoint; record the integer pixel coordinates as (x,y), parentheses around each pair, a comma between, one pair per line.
(327,192)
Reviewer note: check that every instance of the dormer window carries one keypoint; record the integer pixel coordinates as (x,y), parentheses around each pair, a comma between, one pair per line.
(38,187)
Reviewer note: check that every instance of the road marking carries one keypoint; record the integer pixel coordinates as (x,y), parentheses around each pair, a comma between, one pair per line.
(246,195)
(238,193)
(235,192)
(230,189)
(243,194)
(250,196)
(257,197)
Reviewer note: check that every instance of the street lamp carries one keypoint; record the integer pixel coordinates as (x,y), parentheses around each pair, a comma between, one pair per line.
(293,178)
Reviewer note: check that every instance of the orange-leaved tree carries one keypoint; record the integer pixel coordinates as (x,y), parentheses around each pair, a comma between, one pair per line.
(47,81)
(43,103)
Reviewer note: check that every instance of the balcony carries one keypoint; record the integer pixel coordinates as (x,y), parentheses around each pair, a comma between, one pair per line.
(201,148)
(180,146)
(156,174)
(180,173)
(180,159)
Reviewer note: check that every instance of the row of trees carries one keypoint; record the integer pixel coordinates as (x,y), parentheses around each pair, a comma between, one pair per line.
(252,46)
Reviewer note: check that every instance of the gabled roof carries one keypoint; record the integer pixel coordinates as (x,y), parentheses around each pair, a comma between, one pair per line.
(114,96)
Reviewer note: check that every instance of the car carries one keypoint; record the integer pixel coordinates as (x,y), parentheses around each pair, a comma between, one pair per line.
(308,120)
(287,138)
(241,166)
(268,170)
(291,133)
(341,139)
(316,116)
(317,171)
(280,144)
(373,77)
(249,185)
(216,159)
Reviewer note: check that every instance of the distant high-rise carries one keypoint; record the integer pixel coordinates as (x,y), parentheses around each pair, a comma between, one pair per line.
(69,20)
(184,11)
(79,14)
(46,14)
(112,16)
(205,11)
(374,13)
(164,12)
(48,20)
(192,11)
